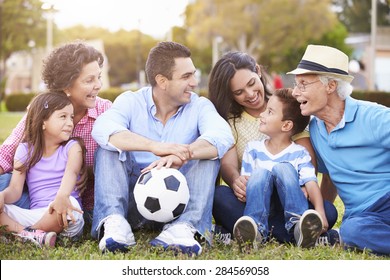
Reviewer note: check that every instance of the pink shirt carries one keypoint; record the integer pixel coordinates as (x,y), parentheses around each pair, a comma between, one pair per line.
(82,129)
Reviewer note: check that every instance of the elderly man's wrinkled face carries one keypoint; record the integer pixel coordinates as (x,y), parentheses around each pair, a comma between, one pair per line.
(311,93)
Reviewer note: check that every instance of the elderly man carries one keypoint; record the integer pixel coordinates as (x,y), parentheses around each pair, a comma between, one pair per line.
(352,141)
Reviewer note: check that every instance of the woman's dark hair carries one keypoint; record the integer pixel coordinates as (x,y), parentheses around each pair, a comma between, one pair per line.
(64,64)
(220,93)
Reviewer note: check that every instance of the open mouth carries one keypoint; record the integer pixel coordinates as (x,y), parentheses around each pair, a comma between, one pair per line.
(253,100)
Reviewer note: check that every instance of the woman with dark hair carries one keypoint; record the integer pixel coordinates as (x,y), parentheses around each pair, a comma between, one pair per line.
(238,89)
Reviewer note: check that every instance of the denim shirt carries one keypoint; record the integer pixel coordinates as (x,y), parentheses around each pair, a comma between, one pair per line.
(135,111)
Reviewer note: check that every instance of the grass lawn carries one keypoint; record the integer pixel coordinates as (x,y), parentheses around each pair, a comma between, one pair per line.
(87,248)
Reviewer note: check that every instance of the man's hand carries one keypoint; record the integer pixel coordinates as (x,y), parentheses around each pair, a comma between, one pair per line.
(182,151)
(170,161)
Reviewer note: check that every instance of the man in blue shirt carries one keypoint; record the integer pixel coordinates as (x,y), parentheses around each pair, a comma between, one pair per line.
(168,125)
(351,139)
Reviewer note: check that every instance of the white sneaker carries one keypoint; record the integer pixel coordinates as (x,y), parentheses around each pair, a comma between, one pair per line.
(178,236)
(245,231)
(117,234)
(308,229)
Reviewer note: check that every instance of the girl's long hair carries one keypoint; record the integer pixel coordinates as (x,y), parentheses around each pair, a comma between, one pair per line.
(39,110)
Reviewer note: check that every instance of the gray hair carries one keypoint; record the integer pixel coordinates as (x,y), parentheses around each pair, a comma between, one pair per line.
(344,89)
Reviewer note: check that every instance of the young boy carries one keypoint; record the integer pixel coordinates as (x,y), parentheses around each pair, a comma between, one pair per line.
(279,165)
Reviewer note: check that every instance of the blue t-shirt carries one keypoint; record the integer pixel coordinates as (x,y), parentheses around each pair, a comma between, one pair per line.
(356,153)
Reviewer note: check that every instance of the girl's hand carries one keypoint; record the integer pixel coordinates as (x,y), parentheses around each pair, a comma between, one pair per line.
(239,187)
(64,209)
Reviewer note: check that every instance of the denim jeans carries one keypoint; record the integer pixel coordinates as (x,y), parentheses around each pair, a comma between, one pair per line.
(369,229)
(115,181)
(261,185)
(271,204)
(24,200)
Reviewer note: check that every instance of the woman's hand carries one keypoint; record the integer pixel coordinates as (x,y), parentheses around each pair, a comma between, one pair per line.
(239,187)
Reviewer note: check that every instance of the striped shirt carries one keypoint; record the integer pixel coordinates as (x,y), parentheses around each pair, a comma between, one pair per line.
(256,155)
(82,129)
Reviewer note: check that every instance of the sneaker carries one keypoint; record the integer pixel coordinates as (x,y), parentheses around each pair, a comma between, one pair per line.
(117,235)
(329,238)
(245,231)
(221,236)
(39,237)
(178,236)
(308,229)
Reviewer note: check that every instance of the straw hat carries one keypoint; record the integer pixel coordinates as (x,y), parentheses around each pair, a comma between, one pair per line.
(324,60)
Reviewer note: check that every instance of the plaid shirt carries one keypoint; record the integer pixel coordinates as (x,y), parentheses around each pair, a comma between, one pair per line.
(82,129)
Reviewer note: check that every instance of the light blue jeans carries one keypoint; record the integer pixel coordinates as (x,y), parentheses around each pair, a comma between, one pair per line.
(262,183)
(24,200)
(115,181)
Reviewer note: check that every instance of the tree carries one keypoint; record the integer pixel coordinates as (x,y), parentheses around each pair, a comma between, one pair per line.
(356,14)
(259,27)
(126,50)
(21,21)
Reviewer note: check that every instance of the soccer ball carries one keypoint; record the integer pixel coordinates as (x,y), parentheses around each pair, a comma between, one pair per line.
(162,194)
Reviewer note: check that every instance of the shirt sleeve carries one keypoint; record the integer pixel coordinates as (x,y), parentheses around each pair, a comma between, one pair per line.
(8,148)
(305,168)
(379,125)
(213,128)
(112,121)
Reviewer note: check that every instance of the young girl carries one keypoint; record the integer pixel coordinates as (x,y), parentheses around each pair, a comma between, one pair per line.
(52,164)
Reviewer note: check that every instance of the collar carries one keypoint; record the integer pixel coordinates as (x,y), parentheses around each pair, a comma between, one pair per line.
(91,113)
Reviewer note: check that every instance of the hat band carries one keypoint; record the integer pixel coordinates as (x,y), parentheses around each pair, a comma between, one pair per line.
(308,65)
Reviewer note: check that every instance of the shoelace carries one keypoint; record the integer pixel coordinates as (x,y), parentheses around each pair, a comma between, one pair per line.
(225,238)
(322,240)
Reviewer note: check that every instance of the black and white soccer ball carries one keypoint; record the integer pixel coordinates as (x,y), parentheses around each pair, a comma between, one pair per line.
(162,194)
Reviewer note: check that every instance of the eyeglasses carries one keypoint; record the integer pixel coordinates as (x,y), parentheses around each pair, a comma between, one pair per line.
(302,87)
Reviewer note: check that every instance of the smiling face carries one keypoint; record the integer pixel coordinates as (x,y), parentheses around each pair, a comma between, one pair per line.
(313,98)
(271,120)
(178,89)
(248,91)
(85,88)
(59,126)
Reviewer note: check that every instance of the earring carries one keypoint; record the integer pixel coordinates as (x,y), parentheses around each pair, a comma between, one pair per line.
(68,94)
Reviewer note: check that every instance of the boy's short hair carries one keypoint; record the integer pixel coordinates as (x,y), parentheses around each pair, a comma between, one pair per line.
(291,110)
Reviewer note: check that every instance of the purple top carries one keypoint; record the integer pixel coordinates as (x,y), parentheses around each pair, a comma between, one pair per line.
(44,178)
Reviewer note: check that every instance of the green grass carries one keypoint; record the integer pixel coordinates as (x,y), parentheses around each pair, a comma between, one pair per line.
(8,121)
(87,248)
